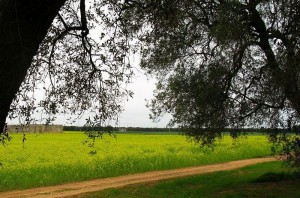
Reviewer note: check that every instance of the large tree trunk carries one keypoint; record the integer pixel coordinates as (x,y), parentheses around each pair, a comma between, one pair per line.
(286,79)
(23,25)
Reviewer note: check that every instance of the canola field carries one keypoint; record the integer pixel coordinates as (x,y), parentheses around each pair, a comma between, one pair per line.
(50,159)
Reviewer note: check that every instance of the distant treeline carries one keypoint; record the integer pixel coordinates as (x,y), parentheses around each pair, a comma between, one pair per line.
(129,129)
(145,129)
(295,129)
(85,128)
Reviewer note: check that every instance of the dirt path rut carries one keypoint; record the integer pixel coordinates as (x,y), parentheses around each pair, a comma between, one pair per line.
(71,189)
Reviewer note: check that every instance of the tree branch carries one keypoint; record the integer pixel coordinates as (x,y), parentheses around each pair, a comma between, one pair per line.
(83,17)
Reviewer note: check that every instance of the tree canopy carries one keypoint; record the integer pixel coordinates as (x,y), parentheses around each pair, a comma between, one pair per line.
(223,64)
(220,63)
(79,61)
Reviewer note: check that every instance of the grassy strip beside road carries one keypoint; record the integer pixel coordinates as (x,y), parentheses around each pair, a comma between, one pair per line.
(50,159)
(262,180)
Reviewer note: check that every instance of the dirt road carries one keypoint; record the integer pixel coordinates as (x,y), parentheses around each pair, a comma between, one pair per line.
(71,189)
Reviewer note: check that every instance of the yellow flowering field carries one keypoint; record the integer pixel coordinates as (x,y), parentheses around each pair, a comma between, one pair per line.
(54,158)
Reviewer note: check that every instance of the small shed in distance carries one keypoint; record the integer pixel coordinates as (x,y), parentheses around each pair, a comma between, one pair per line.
(35,128)
(122,129)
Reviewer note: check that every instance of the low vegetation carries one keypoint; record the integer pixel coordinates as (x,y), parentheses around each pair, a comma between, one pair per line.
(262,180)
(49,159)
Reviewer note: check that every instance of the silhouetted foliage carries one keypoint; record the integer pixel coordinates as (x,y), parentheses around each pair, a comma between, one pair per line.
(220,63)
(81,66)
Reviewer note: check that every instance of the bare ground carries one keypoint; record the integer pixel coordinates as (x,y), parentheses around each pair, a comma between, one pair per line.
(71,189)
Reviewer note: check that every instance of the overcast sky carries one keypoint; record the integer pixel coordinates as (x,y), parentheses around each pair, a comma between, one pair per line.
(135,113)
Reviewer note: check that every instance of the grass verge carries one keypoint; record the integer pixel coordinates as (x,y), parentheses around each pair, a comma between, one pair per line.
(270,179)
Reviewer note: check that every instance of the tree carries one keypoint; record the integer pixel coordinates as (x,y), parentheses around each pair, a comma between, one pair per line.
(23,27)
(55,46)
(221,63)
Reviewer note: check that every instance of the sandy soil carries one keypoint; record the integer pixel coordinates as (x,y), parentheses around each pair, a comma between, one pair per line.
(71,189)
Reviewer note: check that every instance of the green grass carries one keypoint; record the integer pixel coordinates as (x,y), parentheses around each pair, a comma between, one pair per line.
(261,180)
(50,159)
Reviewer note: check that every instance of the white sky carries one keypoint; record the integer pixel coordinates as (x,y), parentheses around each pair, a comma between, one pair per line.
(135,113)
